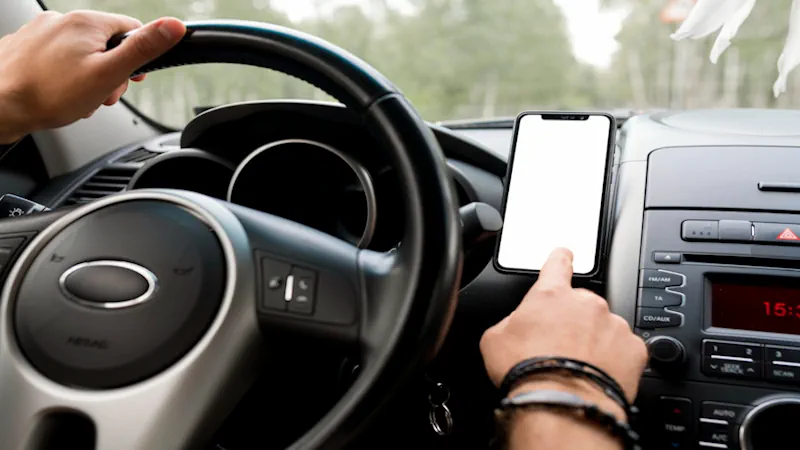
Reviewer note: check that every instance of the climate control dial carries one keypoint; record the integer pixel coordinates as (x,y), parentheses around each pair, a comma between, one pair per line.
(771,425)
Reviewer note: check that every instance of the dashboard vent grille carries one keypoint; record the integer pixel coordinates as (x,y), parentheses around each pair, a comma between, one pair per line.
(139,155)
(110,180)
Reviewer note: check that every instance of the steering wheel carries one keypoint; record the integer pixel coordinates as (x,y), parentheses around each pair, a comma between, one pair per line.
(141,314)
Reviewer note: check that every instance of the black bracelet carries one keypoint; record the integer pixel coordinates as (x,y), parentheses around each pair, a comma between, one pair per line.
(579,369)
(580,408)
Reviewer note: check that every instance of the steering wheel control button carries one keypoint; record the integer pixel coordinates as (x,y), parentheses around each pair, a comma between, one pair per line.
(677,417)
(8,246)
(776,233)
(274,275)
(659,298)
(179,267)
(108,284)
(667,257)
(657,318)
(728,412)
(700,230)
(301,300)
(735,230)
(653,278)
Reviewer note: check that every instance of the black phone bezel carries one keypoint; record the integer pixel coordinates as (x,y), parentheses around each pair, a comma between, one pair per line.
(604,219)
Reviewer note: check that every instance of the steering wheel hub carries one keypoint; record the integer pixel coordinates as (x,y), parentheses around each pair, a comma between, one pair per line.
(119,294)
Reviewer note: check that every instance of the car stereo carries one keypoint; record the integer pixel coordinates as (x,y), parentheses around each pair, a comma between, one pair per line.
(719,307)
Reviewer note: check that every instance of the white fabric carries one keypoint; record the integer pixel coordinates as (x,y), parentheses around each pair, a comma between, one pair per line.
(708,16)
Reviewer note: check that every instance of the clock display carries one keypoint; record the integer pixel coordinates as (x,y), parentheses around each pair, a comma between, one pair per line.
(756,304)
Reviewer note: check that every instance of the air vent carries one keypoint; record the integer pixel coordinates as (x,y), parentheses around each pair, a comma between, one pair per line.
(110,180)
(139,155)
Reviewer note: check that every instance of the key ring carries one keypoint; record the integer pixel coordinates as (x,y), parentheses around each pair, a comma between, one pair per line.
(439,416)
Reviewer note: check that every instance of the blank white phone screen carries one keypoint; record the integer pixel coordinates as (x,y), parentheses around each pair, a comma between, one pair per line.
(556,191)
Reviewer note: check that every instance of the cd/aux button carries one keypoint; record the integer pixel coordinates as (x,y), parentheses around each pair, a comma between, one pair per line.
(657,318)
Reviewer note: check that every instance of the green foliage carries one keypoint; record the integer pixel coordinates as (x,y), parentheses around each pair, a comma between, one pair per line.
(479,58)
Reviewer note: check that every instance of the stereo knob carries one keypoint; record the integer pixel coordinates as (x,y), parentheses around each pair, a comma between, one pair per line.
(771,425)
(666,352)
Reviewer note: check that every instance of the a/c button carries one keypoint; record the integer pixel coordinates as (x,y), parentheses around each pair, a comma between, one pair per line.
(657,318)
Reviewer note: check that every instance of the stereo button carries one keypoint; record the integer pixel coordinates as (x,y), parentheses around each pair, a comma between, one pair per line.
(752,352)
(657,318)
(787,354)
(700,230)
(651,278)
(781,371)
(730,366)
(735,230)
(659,298)
(667,257)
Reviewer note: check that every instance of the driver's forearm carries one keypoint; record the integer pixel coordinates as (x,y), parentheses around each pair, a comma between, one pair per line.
(546,430)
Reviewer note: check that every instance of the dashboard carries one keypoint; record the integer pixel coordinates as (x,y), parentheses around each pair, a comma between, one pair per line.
(704,260)
(312,163)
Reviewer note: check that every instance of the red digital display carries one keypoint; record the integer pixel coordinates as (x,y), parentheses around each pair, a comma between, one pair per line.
(757,304)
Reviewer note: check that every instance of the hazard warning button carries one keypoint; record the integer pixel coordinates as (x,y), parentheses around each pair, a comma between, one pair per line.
(777,233)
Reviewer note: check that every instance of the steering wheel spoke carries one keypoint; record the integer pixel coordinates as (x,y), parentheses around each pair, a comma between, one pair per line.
(309,283)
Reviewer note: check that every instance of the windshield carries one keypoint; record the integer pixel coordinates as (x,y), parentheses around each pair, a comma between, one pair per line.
(467,59)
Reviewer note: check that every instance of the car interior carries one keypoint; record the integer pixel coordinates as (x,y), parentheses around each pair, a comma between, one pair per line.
(329,266)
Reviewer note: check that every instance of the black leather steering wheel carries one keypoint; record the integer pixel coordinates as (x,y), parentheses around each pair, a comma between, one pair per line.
(142,313)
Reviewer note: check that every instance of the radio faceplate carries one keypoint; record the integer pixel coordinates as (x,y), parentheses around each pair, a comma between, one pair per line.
(698,371)
(683,284)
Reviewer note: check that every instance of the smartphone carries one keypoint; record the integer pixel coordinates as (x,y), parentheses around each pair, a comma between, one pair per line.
(556,191)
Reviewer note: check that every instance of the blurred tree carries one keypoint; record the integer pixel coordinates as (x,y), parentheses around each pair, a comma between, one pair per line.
(452,58)
(479,58)
(650,70)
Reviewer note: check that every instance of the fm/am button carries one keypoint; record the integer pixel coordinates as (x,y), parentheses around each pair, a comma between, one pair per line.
(653,278)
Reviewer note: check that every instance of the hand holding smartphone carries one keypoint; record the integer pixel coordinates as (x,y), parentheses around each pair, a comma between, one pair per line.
(557,189)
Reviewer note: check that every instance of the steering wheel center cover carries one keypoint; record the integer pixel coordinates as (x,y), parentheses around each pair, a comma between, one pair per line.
(167,255)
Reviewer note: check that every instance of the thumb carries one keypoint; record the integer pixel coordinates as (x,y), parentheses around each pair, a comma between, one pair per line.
(146,44)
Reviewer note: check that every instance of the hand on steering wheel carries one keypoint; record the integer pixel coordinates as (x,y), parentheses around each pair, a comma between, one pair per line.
(56,69)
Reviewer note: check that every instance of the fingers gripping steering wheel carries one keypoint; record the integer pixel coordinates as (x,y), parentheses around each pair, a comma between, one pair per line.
(142,311)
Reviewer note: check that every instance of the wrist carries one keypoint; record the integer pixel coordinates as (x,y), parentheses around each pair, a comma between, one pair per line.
(13,126)
(582,388)
(555,430)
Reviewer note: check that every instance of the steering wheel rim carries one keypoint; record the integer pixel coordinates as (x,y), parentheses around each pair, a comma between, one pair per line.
(416,283)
